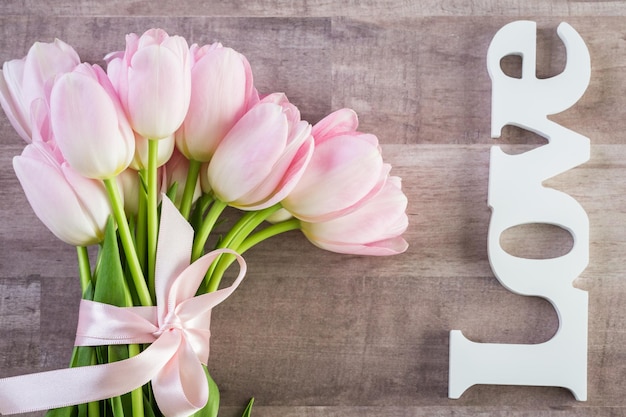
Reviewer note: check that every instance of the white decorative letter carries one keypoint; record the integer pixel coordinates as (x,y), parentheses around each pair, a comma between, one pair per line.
(516,197)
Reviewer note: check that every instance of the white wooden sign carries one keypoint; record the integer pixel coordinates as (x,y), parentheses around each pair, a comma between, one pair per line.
(516,197)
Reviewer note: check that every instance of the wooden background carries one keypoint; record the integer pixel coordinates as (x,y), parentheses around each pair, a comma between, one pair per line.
(316,334)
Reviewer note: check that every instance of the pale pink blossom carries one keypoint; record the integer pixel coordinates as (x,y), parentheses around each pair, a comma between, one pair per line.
(24,81)
(345,171)
(263,156)
(222,91)
(375,228)
(153,79)
(89,124)
(73,207)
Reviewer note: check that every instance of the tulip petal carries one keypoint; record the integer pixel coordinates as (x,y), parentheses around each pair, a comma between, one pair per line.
(285,173)
(288,180)
(246,156)
(158,92)
(347,167)
(218,100)
(373,229)
(386,247)
(91,196)
(55,202)
(11,97)
(336,123)
(86,125)
(43,63)
(40,122)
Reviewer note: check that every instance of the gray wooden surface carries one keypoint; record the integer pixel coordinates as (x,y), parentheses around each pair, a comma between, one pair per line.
(315,334)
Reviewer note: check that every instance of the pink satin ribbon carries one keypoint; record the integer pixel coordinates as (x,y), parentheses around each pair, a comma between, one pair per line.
(177,328)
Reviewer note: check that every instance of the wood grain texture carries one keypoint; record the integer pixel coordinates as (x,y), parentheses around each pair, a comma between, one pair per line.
(374,9)
(315,334)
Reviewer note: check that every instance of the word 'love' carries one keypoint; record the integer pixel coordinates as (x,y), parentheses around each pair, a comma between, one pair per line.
(517,197)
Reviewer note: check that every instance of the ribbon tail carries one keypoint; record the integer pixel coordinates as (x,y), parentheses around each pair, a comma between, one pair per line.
(64,387)
(181,388)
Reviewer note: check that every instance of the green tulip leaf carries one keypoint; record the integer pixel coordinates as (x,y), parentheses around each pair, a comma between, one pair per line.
(248,410)
(116,406)
(71,411)
(111,286)
(171,192)
(147,407)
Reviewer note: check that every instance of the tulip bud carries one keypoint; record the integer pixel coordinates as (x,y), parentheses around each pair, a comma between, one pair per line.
(346,169)
(262,157)
(375,228)
(23,81)
(89,123)
(153,80)
(73,207)
(222,91)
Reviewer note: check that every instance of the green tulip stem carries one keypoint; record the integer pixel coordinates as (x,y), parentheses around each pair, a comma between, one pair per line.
(127,242)
(225,261)
(136,396)
(206,227)
(190,187)
(235,237)
(142,223)
(153,216)
(246,225)
(268,232)
(84,269)
(93,408)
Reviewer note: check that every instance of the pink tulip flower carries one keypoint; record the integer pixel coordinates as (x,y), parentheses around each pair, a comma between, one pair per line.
(262,157)
(153,80)
(222,91)
(89,124)
(375,228)
(23,81)
(345,171)
(73,207)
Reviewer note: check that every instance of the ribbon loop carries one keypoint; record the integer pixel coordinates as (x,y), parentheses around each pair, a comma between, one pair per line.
(178,329)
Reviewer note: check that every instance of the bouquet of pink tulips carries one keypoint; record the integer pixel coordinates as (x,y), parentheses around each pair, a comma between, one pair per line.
(142,159)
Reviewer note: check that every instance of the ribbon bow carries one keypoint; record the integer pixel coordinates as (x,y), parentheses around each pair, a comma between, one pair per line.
(177,328)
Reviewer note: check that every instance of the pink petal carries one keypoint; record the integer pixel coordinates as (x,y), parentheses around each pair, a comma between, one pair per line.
(218,101)
(248,153)
(341,173)
(11,97)
(375,228)
(338,122)
(43,63)
(86,125)
(288,180)
(386,247)
(55,203)
(158,95)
